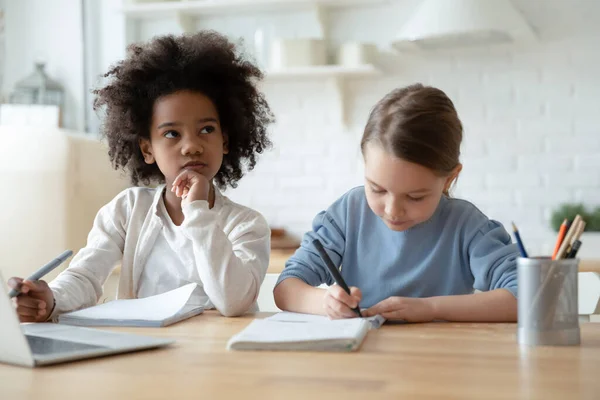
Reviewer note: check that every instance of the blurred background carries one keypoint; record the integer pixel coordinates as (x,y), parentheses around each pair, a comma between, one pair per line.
(523,75)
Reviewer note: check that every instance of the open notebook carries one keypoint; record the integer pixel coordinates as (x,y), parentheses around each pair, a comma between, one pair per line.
(154,311)
(285,316)
(303,332)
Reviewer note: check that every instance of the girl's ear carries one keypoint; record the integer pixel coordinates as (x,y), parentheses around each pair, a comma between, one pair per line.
(452,178)
(225,143)
(146,149)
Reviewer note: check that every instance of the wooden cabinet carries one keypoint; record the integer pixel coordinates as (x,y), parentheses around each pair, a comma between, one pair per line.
(54,189)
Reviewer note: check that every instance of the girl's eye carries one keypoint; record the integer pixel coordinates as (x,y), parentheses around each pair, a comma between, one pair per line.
(377,191)
(416,198)
(170,134)
(208,129)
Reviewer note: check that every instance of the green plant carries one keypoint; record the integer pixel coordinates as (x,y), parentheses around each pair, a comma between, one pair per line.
(569,211)
(593,224)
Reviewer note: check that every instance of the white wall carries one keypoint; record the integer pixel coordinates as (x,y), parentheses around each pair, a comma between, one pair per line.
(532,130)
(49,31)
(104,45)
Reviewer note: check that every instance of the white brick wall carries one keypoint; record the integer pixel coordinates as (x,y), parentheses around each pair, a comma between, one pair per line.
(531,117)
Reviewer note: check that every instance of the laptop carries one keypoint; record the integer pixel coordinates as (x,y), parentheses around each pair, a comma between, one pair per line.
(38,344)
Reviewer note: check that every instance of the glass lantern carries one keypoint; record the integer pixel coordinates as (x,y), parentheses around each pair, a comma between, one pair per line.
(38,88)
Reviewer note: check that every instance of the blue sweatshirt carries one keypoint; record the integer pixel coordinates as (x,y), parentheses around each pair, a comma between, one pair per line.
(457,250)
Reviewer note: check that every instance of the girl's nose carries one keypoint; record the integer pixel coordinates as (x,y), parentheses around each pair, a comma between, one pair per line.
(394,209)
(191,145)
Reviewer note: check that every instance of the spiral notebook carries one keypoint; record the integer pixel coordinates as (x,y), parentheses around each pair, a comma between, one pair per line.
(155,311)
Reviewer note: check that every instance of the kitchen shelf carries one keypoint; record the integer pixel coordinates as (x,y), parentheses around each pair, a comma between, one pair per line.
(187,13)
(333,76)
(216,7)
(324,71)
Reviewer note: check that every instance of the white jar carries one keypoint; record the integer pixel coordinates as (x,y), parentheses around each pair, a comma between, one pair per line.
(353,54)
(290,53)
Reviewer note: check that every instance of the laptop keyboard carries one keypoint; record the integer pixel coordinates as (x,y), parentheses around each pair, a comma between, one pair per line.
(44,346)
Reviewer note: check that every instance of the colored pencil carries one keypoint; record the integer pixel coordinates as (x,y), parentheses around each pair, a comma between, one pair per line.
(519,241)
(569,238)
(561,236)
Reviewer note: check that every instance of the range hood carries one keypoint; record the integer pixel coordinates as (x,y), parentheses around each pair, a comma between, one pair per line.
(460,23)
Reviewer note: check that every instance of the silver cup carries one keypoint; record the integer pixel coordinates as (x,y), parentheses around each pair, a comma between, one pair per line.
(547,302)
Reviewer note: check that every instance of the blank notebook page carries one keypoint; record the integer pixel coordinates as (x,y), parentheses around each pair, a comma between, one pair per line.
(265,331)
(286,316)
(153,308)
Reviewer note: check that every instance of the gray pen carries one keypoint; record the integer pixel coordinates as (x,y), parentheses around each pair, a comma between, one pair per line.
(37,275)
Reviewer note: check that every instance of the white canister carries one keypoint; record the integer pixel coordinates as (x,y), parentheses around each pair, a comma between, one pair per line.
(354,54)
(289,53)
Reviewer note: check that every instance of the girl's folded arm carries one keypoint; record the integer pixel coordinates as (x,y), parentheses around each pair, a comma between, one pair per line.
(492,260)
(497,305)
(231,268)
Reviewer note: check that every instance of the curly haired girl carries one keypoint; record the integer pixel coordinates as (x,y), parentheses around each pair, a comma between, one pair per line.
(183,113)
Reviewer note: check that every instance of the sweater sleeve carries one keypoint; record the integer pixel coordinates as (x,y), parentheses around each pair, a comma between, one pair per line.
(80,285)
(306,264)
(231,266)
(493,258)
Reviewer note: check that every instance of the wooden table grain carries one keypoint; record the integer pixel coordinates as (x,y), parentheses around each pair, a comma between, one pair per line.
(589,266)
(412,361)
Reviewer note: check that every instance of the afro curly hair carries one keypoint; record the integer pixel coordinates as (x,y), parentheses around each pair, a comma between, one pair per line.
(205,62)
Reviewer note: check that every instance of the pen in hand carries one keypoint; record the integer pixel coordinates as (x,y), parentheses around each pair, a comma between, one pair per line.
(37,275)
(337,277)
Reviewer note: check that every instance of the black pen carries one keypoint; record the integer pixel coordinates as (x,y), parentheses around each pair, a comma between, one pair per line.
(574,249)
(337,277)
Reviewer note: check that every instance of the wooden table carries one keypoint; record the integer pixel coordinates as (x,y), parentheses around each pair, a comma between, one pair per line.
(589,266)
(421,361)
(278,259)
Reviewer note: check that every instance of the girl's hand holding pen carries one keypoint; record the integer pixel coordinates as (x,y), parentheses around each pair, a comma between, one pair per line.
(35,301)
(338,304)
